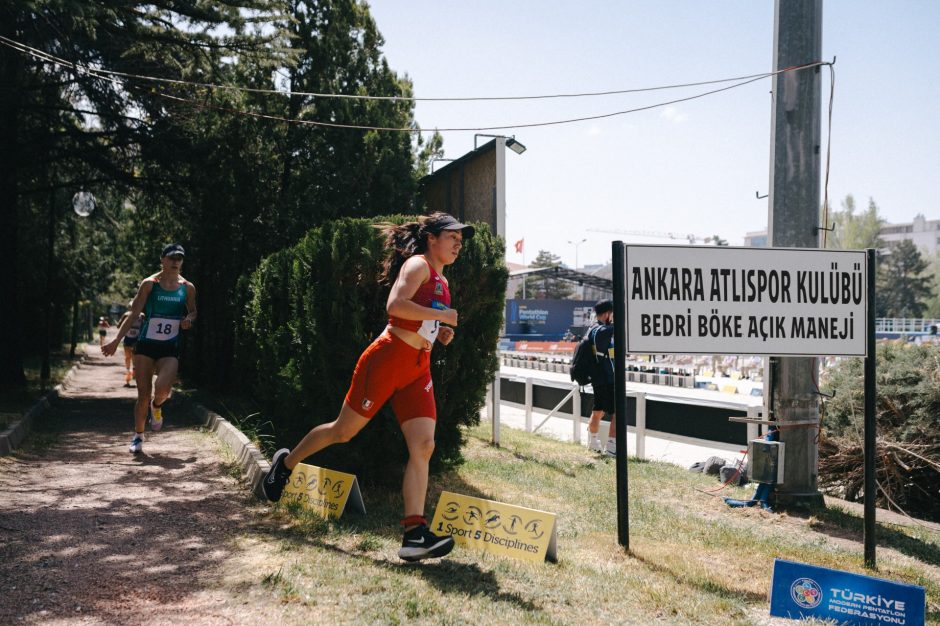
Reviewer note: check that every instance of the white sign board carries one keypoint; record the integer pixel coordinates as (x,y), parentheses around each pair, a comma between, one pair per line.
(761,301)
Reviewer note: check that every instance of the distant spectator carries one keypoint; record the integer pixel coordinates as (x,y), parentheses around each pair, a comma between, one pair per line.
(103,327)
(603,381)
(930,337)
(130,339)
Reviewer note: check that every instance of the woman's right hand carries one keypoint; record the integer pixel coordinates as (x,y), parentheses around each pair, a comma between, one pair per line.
(449,317)
(109,348)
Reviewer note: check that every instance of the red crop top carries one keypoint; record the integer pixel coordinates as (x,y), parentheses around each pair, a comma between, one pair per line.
(433,294)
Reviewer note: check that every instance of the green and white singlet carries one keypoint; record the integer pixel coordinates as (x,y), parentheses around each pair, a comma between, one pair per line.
(164,310)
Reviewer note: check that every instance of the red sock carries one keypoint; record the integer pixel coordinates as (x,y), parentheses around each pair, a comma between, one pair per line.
(414,520)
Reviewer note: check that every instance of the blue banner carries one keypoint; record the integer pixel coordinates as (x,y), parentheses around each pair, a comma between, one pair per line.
(800,591)
(550,319)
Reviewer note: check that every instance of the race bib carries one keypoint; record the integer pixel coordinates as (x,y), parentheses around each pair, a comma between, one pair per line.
(162,329)
(429,329)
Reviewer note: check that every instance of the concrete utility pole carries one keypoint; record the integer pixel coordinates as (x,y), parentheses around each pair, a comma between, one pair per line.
(794,216)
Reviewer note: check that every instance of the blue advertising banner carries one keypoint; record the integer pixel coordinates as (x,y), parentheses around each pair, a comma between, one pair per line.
(800,591)
(550,319)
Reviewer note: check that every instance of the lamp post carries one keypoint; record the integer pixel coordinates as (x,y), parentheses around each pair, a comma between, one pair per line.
(83,203)
(576,244)
(511,142)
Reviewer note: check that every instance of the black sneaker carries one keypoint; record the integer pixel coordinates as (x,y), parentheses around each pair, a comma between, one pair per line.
(277,476)
(420,543)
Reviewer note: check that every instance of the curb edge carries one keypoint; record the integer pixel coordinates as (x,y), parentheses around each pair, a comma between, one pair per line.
(250,459)
(12,437)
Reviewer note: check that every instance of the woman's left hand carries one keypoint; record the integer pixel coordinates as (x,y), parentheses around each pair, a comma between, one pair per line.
(445,335)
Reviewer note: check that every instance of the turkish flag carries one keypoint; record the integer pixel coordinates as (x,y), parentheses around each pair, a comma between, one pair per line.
(519,246)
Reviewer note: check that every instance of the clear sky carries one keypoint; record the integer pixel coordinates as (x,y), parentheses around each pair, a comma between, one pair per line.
(690,168)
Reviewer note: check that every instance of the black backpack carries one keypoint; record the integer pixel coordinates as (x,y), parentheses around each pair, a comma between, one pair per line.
(584,361)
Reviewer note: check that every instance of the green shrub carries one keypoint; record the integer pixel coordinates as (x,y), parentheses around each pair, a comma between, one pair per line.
(313,308)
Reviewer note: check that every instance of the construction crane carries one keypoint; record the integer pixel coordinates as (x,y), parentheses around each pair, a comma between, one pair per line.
(692,239)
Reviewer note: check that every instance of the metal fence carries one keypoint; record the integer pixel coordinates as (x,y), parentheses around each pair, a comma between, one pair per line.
(711,421)
(904,325)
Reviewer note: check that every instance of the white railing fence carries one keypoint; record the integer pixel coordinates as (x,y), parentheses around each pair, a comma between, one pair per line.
(754,428)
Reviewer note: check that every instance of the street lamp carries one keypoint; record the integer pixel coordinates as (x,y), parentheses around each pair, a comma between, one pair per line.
(515,146)
(511,142)
(83,203)
(576,244)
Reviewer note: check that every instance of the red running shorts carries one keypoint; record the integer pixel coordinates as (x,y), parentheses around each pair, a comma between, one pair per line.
(391,369)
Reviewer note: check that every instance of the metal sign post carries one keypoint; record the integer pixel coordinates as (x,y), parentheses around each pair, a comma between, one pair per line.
(869,533)
(618,254)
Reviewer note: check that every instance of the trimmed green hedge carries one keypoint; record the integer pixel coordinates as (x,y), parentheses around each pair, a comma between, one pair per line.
(313,308)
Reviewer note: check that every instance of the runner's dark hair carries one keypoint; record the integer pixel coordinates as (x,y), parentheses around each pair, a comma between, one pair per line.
(403,241)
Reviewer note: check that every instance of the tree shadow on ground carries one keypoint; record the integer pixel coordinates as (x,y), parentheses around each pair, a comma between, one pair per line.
(384,508)
(837,523)
(83,523)
(447,575)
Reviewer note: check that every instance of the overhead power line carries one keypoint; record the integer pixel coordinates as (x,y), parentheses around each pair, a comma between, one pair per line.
(115,77)
(590,94)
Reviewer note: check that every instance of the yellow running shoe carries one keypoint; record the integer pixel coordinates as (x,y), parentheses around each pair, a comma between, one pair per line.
(156,416)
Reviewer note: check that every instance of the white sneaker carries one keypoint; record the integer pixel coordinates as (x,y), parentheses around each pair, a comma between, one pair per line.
(611,449)
(137,444)
(595,444)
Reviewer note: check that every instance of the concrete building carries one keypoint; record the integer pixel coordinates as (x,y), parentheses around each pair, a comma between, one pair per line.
(923,232)
(756,239)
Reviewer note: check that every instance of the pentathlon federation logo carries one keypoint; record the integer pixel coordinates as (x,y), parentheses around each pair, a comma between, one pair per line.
(806,592)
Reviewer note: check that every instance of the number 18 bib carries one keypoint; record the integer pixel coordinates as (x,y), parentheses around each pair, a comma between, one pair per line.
(162,329)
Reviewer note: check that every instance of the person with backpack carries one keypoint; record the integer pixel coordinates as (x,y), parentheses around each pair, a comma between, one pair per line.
(396,368)
(601,336)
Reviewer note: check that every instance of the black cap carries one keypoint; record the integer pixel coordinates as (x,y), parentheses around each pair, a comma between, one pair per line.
(603,306)
(173,248)
(448,222)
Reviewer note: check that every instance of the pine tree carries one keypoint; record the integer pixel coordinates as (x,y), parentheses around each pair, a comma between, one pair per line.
(902,289)
(542,287)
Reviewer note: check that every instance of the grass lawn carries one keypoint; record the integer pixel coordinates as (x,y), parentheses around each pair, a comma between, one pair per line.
(693,560)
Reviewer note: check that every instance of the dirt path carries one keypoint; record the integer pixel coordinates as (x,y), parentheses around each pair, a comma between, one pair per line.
(91,534)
